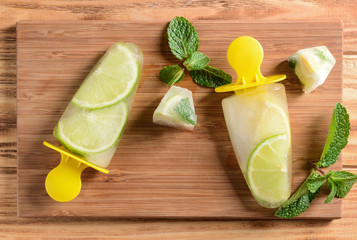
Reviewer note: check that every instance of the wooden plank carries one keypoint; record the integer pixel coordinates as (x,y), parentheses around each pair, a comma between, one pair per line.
(148,179)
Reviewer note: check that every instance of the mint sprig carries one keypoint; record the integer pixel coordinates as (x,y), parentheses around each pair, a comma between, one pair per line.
(172,74)
(337,138)
(183,43)
(339,182)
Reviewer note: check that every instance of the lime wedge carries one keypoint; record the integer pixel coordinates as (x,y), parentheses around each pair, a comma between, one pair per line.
(167,113)
(84,131)
(268,171)
(113,78)
(274,120)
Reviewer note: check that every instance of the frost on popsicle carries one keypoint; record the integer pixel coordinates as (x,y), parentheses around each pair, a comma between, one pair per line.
(312,66)
(176,109)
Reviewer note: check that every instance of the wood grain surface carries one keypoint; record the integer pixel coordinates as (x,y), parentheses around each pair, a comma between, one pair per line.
(12,227)
(160,172)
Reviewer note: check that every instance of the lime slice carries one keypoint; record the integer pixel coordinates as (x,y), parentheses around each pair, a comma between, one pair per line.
(171,103)
(167,116)
(85,131)
(274,121)
(113,78)
(166,113)
(268,171)
(312,66)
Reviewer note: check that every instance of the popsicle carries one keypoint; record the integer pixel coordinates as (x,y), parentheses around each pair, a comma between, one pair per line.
(176,109)
(93,123)
(312,66)
(258,124)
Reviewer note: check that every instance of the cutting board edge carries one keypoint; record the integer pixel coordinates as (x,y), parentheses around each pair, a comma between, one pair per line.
(322,22)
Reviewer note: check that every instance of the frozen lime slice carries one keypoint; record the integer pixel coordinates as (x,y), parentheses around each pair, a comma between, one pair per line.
(176,109)
(86,131)
(274,120)
(113,78)
(312,66)
(170,104)
(268,171)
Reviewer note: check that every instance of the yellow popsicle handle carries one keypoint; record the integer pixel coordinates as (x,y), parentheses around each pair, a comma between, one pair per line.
(245,55)
(63,183)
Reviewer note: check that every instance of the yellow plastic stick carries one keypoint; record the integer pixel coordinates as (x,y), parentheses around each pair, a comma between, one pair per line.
(245,55)
(63,183)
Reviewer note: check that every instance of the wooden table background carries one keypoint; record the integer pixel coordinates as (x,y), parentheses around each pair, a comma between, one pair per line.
(13,227)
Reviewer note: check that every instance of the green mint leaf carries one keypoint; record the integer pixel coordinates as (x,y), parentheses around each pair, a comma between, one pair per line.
(337,138)
(315,181)
(344,181)
(171,74)
(296,204)
(210,77)
(185,109)
(300,200)
(183,39)
(312,196)
(292,62)
(196,61)
(295,208)
(333,188)
(321,54)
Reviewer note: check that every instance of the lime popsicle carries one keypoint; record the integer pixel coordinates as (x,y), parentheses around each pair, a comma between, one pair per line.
(258,124)
(93,122)
(312,66)
(176,109)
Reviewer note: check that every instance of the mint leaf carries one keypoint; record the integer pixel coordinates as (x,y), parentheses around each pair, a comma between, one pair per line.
(183,39)
(337,138)
(292,62)
(332,186)
(196,61)
(295,208)
(315,181)
(321,54)
(171,74)
(296,204)
(344,181)
(300,200)
(186,111)
(210,77)
(312,196)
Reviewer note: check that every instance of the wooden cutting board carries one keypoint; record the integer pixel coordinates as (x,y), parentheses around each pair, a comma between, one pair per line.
(161,172)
